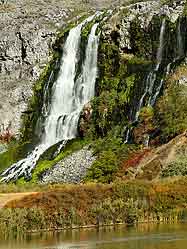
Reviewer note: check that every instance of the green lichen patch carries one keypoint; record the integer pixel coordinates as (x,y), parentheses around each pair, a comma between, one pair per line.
(15,152)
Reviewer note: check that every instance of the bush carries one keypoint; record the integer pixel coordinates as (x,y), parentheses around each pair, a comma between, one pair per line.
(176,168)
(104,168)
(171,111)
(110,152)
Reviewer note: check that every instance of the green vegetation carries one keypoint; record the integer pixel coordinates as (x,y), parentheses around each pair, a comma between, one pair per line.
(176,168)
(15,152)
(171,110)
(110,152)
(122,202)
(141,41)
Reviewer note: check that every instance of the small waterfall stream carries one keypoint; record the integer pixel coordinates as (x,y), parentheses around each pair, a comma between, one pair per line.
(150,81)
(180,48)
(151,78)
(153,85)
(68,99)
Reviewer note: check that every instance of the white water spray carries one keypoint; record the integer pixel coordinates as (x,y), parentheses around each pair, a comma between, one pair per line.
(150,88)
(68,98)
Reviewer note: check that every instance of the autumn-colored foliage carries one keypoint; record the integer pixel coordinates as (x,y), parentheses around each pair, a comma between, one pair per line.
(6,136)
(97,204)
(133,161)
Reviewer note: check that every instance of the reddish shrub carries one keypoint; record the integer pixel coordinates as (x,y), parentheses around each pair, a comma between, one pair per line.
(6,136)
(133,160)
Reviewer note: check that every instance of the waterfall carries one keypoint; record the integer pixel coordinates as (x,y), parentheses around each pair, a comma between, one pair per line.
(153,83)
(68,99)
(180,47)
(151,80)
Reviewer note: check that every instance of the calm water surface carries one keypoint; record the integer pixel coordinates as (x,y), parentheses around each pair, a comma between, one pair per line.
(142,237)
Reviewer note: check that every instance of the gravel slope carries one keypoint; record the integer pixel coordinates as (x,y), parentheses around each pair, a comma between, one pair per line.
(71,169)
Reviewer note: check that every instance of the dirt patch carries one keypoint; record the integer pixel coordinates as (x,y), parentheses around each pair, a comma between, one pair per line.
(5,198)
(151,165)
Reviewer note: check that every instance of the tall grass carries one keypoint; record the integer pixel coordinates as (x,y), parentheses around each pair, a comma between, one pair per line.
(70,206)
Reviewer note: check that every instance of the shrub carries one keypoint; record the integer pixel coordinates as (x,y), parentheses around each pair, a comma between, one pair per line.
(176,168)
(171,111)
(110,152)
(104,168)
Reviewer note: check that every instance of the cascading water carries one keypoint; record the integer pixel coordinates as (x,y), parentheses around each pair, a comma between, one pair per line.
(150,80)
(153,84)
(179,54)
(75,96)
(180,48)
(68,98)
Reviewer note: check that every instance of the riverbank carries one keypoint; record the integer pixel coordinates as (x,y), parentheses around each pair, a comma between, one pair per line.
(75,206)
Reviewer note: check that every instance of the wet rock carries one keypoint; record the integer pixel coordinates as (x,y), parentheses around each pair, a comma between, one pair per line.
(84,119)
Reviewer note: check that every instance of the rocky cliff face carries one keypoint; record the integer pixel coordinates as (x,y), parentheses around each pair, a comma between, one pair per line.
(27,32)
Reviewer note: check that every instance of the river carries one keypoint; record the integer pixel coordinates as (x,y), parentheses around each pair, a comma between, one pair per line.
(163,236)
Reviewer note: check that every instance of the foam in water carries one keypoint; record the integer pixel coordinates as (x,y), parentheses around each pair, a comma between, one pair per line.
(68,98)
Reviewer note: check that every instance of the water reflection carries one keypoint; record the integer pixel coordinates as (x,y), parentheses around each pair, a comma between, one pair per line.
(172,236)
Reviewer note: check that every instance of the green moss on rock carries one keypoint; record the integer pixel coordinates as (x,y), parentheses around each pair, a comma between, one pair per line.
(15,152)
(48,161)
(171,109)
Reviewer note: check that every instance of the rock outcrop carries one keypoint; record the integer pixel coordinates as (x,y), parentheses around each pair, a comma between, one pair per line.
(27,32)
(157,160)
(121,22)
